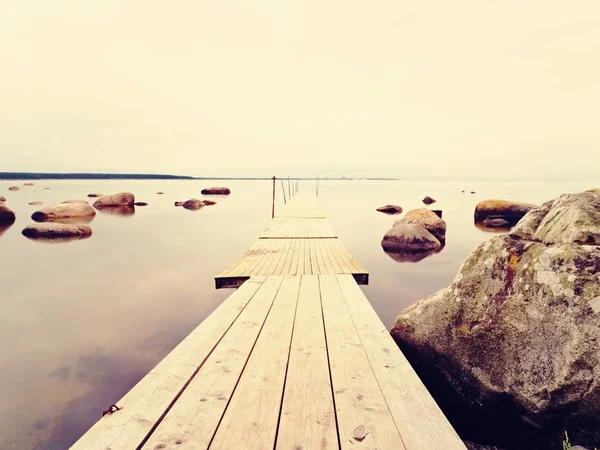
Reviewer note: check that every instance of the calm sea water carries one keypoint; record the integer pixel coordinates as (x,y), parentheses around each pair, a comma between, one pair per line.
(83,321)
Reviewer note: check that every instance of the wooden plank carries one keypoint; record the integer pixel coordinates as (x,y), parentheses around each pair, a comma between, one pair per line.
(307,415)
(146,403)
(307,262)
(357,395)
(422,424)
(250,421)
(193,419)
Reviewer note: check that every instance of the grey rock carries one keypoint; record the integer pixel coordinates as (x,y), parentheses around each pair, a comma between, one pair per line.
(390,209)
(115,200)
(428,220)
(71,209)
(518,326)
(409,237)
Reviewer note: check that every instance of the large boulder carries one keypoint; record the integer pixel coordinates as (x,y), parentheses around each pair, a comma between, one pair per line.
(115,200)
(71,209)
(216,191)
(7,215)
(390,209)
(428,220)
(508,210)
(514,339)
(409,238)
(57,231)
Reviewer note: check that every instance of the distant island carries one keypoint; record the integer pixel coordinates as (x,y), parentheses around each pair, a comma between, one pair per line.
(149,176)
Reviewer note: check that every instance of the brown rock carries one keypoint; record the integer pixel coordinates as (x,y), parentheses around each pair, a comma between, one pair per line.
(141,204)
(209,202)
(501,209)
(2,199)
(27,184)
(71,209)
(57,231)
(7,215)
(216,191)
(495,222)
(36,203)
(193,204)
(14,188)
(390,209)
(160,193)
(95,195)
(115,200)
(178,203)
(428,200)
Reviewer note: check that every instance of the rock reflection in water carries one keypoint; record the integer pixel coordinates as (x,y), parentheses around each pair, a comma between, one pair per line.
(124,211)
(412,256)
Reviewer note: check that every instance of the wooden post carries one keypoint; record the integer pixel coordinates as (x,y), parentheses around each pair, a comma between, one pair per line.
(273,207)
(283,190)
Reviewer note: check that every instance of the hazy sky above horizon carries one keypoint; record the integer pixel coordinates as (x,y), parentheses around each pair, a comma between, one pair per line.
(472,88)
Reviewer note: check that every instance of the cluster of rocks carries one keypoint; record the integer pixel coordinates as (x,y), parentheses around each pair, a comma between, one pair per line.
(513,341)
(420,230)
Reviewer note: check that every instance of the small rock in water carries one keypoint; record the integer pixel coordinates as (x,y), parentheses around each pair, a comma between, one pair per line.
(57,231)
(160,193)
(14,188)
(36,203)
(94,195)
(27,184)
(140,204)
(428,200)
(178,203)
(115,200)
(390,209)
(216,191)
(473,192)
(7,215)
(193,204)
(2,199)
(71,209)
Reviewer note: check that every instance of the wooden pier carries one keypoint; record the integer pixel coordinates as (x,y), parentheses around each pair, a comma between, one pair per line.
(296,358)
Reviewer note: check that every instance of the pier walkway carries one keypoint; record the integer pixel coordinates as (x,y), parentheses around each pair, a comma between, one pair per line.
(294,359)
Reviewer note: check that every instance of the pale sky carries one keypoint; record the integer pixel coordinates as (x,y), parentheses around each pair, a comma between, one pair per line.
(419,89)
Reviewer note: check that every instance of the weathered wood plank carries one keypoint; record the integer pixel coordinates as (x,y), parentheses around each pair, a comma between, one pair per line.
(193,419)
(363,417)
(251,418)
(307,416)
(145,404)
(422,424)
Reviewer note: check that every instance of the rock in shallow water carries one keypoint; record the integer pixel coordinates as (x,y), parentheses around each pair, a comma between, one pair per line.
(71,209)
(428,200)
(515,336)
(115,200)
(408,237)
(2,199)
(428,220)
(508,210)
(390,209)
(14,188)
(7,215)
(57,231)
(216,191)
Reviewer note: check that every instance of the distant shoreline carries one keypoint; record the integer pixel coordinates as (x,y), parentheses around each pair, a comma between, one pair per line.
(16,176)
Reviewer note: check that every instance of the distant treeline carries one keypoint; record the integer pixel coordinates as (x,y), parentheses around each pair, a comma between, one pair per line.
(146,176)
(88,176)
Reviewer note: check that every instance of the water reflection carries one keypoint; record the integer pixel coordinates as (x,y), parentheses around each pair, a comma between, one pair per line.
(124,211)
(55,240)
(413,256)
(484,227)
(69,220)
